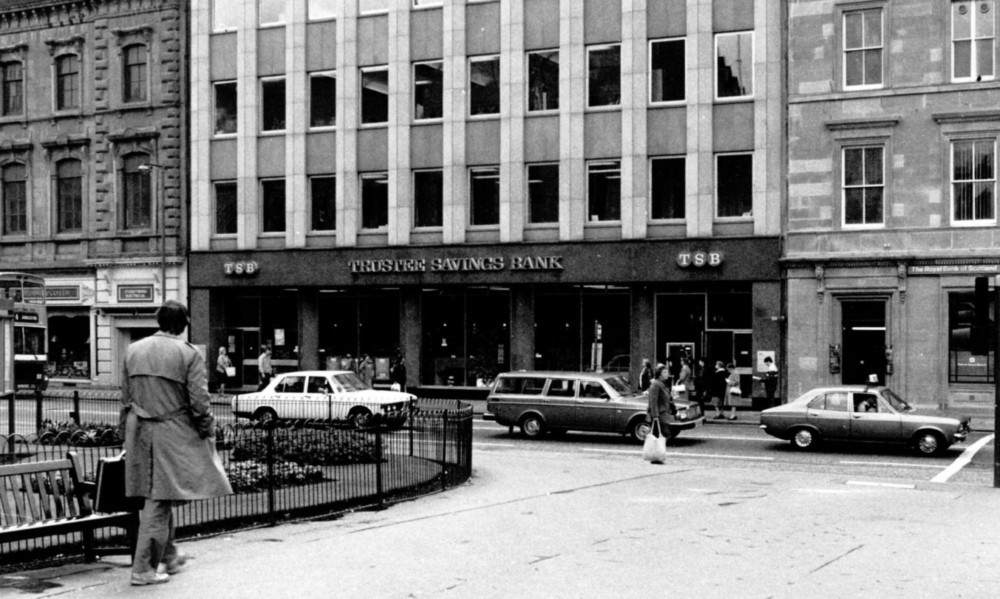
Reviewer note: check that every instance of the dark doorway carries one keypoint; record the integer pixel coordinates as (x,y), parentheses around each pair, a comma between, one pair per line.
(864,341)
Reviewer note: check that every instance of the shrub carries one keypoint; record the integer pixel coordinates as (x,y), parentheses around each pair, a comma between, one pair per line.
(250,475)
(318,448)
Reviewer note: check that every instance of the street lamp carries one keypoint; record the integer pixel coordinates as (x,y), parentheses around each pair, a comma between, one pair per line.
(147,168)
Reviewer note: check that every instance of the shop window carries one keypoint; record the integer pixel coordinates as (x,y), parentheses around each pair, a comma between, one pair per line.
(69,344)
(973,37)
(134,73)
(466,336)
(667,193)
(11,88)
(225,15)
(543,80)
(69,196)
(136,192)
(864,186)
(667,69)
(963,365)
(272,203)
(604,197)
(604,76)
(225,208)
(352,325)
(543,193)
(734,65)
(427,198)
(484,196)
(14,200)
(279,317)
(318,10)
(68,82)
(323,99)
(375,96)
(607,328)
(428,81)
(730,311)
(270,12)
(863,48)
(973,181)
(734,185)
(484,86)
(374,200)
(323,196)
(272,104)
(557,331)
(225,108)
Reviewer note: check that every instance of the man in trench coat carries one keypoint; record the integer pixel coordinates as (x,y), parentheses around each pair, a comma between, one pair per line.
(170,452)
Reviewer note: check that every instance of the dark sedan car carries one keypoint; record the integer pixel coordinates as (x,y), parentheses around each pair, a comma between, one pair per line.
(859,413)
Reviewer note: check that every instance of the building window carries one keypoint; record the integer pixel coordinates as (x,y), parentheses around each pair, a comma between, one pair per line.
(428,80)
(318,10)
(272,111)
(324,203)
(863,48)
(427,198)
(604,190)
(374,200)
(484,85)
(667,188)
(375,96)
(12,88)
(543,80)
(964,366)
(973,35)
(973,181)
(69,196)
(15,199)
(604,76)
(734,65)
(484,196)
(225,15)
(543,193)
(68,82)
(666,71)
(366,7)
(136,192)
(134,79)
(323,99)
(225,208)
(273,204)
(864,186)
(271,12)
(225,108)
(734,185)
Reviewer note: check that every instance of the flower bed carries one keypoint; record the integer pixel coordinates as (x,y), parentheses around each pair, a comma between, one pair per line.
(88,434)
(250,475)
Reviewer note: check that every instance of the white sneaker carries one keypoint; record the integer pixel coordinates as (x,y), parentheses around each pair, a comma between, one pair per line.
(157,577)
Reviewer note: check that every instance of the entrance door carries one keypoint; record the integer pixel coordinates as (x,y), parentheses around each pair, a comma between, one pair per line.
(863,335)
(244,348)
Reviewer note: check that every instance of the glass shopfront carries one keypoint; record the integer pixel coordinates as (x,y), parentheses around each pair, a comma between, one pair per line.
(582,328)
(69,343)
(466,335)
(353,324)
(254,320)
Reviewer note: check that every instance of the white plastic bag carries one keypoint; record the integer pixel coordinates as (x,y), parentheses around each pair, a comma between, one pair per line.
(654,448)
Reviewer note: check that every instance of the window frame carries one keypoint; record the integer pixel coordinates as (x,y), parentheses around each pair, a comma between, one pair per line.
(984,138)
(312,19)
(528,86)
(127,83)
(312,205)
(973,54)
(673,157)
(263,186)
(417,197)
(58,90)
(844,49)
(262,86)
(377,11)
(283,18)
(330,74)
(144,179)
(215,27)
(591,169)
(24,183)
(362,71)
(649,88)
(60,199)
(373,176)
(481,59)
(861,146)
(483,172)
(440,99)
(215,206)
(589,51)
(215,107)
(5,97)
(716,188)
(753,67)
(529,196)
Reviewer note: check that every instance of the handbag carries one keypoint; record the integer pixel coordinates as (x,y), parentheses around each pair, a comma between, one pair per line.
(654,448)
(230,371)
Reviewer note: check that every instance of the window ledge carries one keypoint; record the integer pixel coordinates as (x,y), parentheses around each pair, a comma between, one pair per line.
(863,123)
(965,116)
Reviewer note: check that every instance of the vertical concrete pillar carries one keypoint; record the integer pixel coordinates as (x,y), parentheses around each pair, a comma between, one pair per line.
(400,106)
(643,343)
(348,104)
(411,333)
(455,179)
(522,328)
(247,106)
(572,104)
(700,83)
(309,329)
(634,59)
(297,125)
(201,98)
(512,107)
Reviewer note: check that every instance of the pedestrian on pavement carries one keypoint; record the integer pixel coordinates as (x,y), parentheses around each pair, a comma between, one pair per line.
(398,375)
(732,389)
(222,365)
(169,445)
(646,374)
(685,380)
(367,370)
(703,383)
(351,364)
(661,405)
(264,367)
(719,386)
(770,376)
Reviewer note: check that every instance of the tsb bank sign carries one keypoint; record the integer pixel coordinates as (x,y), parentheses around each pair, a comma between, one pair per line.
(699,259)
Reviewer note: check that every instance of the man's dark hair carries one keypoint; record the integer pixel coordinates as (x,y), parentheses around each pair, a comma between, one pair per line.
(172,317)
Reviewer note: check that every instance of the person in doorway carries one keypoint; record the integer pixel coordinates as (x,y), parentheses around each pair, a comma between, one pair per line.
(397,373)
(264,367)
(719,385)
(222,368)
(170,453)
(733,390)
(770,377)
(366,369)
(661,405)
(685,380)
(646,374)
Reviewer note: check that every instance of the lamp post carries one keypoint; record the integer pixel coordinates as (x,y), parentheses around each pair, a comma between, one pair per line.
(162,211)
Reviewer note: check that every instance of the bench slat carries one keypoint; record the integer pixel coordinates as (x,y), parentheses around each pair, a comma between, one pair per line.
(7,515)
(22,497)
(34,467)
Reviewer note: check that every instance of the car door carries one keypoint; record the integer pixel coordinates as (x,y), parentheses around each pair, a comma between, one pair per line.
(830,415)
(317,396)
(289,396)
(872,420)
(559,401)
(595,410)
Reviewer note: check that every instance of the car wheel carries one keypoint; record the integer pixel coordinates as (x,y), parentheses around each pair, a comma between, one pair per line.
(360,418)
(532,426)
(639,430)
(929,443)
(804,438)
(265,415)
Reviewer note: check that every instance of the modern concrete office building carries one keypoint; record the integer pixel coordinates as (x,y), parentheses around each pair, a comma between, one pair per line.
(486,185)
(894,115)
(92,185)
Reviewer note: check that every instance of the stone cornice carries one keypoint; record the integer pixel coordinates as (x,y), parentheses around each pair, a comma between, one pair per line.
(979,116)
(864,123)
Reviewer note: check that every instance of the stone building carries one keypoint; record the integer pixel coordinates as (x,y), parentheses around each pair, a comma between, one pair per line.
(92,189)
(486,185)
(893,126)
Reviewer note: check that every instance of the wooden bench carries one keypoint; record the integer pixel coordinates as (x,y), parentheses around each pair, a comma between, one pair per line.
(39,499)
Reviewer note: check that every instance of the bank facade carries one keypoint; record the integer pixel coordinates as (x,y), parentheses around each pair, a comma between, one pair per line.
(486,186)
(893,127)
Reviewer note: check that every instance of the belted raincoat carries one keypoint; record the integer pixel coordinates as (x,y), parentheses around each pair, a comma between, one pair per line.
(169,432)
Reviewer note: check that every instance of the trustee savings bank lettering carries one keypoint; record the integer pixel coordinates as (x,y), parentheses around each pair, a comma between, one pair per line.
(483,264)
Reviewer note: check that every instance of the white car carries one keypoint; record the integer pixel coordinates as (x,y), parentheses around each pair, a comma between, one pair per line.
(326,395)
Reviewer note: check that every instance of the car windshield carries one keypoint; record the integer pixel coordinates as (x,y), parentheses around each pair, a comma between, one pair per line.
(897,402)
(619,385)
(350,382)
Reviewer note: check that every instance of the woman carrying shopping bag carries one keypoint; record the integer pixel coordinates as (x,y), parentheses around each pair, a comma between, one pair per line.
(660,408)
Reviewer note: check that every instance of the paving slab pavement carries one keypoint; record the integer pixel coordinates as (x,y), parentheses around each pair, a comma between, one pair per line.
(567,524)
